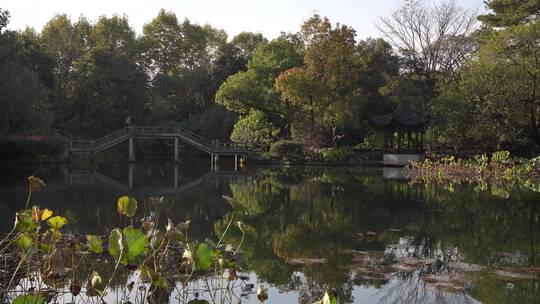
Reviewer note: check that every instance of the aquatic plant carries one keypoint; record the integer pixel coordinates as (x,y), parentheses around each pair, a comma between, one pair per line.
(500,172)
(42,263)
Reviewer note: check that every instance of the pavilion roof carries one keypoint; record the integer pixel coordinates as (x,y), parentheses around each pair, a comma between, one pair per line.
(403,115)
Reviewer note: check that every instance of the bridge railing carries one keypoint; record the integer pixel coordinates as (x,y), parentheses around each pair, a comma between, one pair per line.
(229,146)
(194,135)
(86,144)
(160,130)
(149,130)
(109,137)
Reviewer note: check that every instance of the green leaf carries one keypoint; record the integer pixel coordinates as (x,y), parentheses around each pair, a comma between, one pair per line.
(116,245)
(94,243)
(45,247)
(127,206)
(204,257)
(57,222)
(137,243)
(32,298)
(154,277)
(23,221)
(24,242)
(127,245)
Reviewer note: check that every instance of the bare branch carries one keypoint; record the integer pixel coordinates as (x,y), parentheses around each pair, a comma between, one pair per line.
(434,38)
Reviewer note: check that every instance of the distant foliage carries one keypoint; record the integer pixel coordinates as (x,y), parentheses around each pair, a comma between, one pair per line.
(255,130)
(501,172)
(288,150)
(330,155)
(31,148)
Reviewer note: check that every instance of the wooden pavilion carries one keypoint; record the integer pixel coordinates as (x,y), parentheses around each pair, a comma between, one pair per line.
(404,134)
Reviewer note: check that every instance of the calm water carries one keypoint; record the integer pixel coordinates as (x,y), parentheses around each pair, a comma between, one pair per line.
(365,233)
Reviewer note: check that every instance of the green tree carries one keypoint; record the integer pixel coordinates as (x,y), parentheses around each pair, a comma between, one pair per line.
(248,43)
(23,96)
(186,63)
(254,129)
(64,42)
(161,40)
(107,83)
(113,34)
(253,90)
(503,84)
(337,82)
(108,87)
(511,12)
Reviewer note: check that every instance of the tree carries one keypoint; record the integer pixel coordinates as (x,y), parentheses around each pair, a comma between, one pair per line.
(33,53)
(433,41)
(114,34)
(4,19)
(511,12)
(106,84)
(161,42)
(253,90)
(379,65)
(248,43)
(254,129)
(107,88)
(65,42)
(186,63)
(23,97)
(338,80)
(24,100)
(504,84)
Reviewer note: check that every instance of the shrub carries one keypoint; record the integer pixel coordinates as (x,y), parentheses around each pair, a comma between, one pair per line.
(331,155)
(30,148)
(255,130)
(288,150)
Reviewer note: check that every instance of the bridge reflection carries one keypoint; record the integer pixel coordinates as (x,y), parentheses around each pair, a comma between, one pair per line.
(179,187)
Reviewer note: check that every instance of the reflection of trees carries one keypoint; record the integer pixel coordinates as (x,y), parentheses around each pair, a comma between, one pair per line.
(316,213)
(481,224)
(489,290)
(408,287)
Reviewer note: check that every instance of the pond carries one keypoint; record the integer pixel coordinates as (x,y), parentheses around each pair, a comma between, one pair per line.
(366,234)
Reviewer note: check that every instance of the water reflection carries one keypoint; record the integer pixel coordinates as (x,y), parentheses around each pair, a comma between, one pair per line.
(366,234)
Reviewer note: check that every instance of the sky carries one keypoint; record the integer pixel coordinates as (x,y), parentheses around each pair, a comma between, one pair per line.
(269,17)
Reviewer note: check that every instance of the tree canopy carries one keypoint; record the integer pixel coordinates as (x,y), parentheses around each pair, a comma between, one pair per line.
(511,12)
(476,79)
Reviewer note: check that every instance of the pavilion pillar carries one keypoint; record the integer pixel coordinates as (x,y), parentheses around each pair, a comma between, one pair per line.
(176,152)
(399,135)
(214,159)
(131,177)
(409,147)
(176,169)
(131,149)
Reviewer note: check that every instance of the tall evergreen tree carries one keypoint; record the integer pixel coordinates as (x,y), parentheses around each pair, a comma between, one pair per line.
(511,12)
